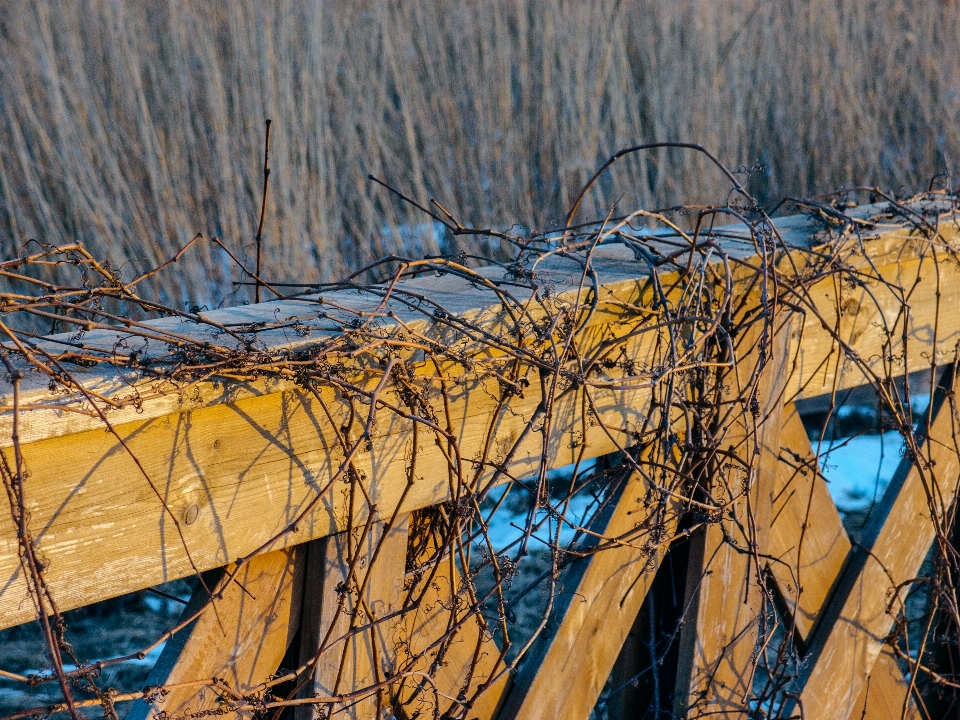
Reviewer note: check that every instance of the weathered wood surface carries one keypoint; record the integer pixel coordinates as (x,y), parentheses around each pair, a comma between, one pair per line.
(875,581)
(602,594)
(348,638)
(320,321)
(806,540)
(235,475)
(891,249)
(239,639)
(242,461)
(718,642)
(808,547)
(242,472)
(885,694)
(465,669)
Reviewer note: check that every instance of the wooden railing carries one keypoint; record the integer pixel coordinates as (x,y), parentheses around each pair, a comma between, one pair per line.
(301,505)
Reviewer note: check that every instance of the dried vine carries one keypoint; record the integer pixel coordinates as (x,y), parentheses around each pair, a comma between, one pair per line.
(695,340)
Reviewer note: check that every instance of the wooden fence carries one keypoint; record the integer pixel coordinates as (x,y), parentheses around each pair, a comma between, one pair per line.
(301,506)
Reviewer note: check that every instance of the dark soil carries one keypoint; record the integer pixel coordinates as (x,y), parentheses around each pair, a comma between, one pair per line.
(107,629)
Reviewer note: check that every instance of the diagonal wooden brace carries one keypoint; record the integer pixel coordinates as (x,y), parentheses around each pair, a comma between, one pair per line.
(808,547)
(239,639)
(876,579)
(455,667)
(565,676)
(807,543)
(353,586)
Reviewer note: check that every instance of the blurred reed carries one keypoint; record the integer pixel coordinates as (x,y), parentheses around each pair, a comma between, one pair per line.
(132,126)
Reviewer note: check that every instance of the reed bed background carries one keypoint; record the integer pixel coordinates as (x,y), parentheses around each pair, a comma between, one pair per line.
(132,126)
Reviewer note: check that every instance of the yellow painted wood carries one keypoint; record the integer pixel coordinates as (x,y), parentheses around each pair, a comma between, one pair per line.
(241,639)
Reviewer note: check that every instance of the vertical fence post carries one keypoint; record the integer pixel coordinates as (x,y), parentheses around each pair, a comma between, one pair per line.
(352,587)
(724,615)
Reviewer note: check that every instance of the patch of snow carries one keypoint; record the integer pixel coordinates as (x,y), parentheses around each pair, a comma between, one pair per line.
(858,469)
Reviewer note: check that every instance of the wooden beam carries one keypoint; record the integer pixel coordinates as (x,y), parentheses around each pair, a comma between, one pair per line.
(236,475)
(322,321)
(810,545)
(885,695)
(893,263)
(354,587)
(245,459)
(875,582)
(564,676)
(806,538)
(241,638)
(719,639)
(891,249)
(439,637)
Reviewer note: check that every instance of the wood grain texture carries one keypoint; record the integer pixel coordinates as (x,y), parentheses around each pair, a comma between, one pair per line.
(461,666)
(249,457)
(360,583)
(807,537)
(892,261)
(851,638)
(719,639)
(810,545)
(129,395)
(249,469)
(242,640)
(892,248)
(884,695)
(563,676)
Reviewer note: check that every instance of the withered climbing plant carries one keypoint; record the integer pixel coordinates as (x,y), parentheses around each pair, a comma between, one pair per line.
(638,359)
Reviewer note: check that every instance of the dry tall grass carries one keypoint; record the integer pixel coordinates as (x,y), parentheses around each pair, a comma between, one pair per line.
(132,126)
